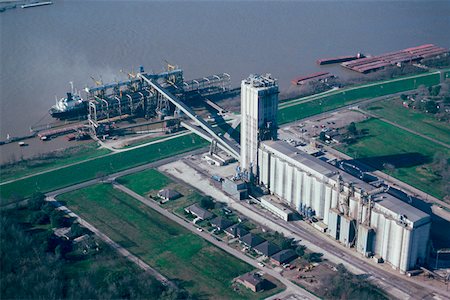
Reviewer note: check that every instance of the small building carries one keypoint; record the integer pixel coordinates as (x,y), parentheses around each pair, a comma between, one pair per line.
(168,194)
(267,248)
(236,231)
(272,204)
(199,212)
(251,240)
(63,232)
(221,223)
(236,188)
(283,257)
(252,281)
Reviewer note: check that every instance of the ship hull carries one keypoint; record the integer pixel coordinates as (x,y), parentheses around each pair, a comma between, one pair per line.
(75,113)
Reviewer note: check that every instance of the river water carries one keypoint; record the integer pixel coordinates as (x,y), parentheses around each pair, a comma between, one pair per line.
(44,48)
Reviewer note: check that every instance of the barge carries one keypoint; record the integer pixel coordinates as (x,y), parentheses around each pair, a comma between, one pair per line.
(315,76)
(36,4)
(339,59)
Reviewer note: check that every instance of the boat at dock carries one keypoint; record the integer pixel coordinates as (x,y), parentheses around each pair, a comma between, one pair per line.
(36,4)
(72,106)
(339,59)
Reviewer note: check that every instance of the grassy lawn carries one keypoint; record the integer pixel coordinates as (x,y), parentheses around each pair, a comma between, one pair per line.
(53,160)
(104,165)
(203,269)
(416,120)
(149,182)
(145,181)
(352,95)
(411,155)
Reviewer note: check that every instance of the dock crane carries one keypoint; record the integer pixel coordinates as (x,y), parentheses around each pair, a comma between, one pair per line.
(97,82)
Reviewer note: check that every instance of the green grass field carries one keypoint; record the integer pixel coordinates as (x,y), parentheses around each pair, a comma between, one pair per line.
(65,157)
(411,155)
(149,182)
(352,95)
(203,269)
(105,165)
(145,181)
(416,120)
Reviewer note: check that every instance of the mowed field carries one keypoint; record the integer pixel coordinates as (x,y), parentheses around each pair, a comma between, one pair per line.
(68,156)
(84,171)
(145,181)
(203,269)
(410,154)
(393,110)
(289,113)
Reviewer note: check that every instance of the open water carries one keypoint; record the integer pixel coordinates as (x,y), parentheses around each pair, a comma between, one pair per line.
(44,48)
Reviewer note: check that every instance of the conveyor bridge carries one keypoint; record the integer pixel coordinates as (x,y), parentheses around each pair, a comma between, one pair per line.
(227,145)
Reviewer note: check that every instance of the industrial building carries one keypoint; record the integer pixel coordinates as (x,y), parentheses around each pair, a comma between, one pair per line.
(259,106)
(351,211)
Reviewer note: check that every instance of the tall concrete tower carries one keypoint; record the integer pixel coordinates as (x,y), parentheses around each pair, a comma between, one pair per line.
(259,106)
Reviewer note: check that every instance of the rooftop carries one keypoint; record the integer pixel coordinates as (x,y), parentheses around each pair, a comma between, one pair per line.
(199,212)
(267,248)
(168,194)
(251,239)
(284,256)
(401,208)
(260,81)
(236,230)
(389,202)
(251,278)
(221,222)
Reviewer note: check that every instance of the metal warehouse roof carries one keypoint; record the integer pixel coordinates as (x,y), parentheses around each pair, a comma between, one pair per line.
(387,201)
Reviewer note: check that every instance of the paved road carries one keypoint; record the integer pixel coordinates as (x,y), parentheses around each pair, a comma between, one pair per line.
(404,128)
(207,236)
(391,281)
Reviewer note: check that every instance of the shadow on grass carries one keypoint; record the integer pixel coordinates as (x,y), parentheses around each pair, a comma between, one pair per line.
(185,285)
(269,285)
(379,163)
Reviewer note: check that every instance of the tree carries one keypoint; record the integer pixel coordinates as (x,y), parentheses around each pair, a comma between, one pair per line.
(431,107)
(77,230)
(300,250)
(286,244)
(64,247)
(57,219)
(322,136)
(36,201)
(403,97)
(207,202)
(352,128)
(313,257)
(39,218)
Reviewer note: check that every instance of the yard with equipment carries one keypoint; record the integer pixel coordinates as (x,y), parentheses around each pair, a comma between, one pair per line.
(401,154)
(100,167)
(194,264)
(291,111)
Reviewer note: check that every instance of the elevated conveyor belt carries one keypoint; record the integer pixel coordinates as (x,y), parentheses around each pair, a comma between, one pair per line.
(233,149)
